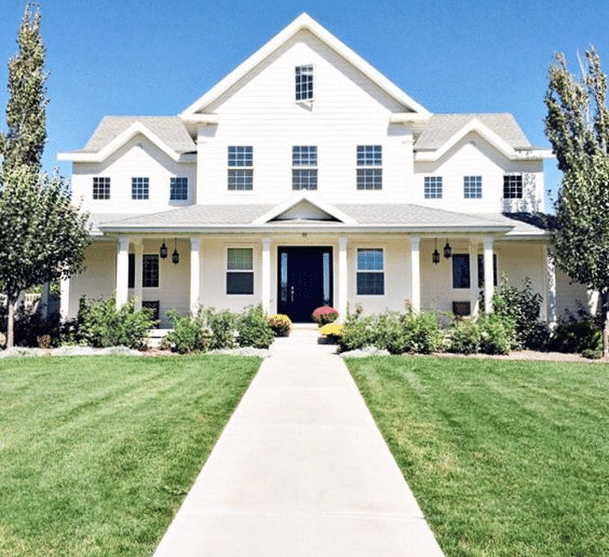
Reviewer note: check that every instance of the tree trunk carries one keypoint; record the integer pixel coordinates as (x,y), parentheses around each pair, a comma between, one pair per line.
(10,330)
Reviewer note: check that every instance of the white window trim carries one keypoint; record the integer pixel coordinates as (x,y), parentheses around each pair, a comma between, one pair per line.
(375,166)
(227,270)
(470,176)
(314,73)
(383,270)
(436,177)
(314,167)
(249,167)
(187,189)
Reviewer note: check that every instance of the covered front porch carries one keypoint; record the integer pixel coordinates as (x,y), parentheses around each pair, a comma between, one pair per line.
(293,273)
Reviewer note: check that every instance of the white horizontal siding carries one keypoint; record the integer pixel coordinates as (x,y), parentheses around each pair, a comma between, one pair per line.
(138,158)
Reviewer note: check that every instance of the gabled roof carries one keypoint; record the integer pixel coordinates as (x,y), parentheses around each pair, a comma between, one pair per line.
(303,22)
(168,133)
(305,207)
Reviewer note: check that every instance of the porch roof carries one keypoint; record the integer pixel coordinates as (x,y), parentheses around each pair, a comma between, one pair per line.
(378,218)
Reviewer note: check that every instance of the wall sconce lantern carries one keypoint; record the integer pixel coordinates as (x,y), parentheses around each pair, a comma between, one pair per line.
(175,256)
(436,255)
(163,251)
(447,250)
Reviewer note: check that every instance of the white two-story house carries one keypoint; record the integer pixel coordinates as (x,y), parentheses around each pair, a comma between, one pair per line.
(307,178)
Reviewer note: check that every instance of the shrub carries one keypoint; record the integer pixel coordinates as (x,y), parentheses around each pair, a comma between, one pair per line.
(592,354)
(2,341)
(188,334)
(464,337)
(576,336)
(522,307)
(280,324)
(324,315)
(254,329)
(101,324)
(223,327)
(358,332)
(496,334)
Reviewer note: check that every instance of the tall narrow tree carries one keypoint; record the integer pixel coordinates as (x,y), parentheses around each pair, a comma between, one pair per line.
(42,235)
(26,108)
(577,125)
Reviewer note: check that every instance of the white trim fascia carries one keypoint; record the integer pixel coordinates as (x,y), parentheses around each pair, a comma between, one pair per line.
(533,153)
(303,22)
(474,125)
(292,202)
(119,141)
(209,119)
(408,117)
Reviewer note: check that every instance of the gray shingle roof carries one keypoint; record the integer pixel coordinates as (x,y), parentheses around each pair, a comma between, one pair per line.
(170,129)
(441,127)
(405,217)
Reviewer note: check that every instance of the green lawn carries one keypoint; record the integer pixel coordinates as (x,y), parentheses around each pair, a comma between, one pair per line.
(506,458)
(96,454)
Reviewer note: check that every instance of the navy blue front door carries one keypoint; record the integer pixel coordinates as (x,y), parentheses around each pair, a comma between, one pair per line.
(304,281)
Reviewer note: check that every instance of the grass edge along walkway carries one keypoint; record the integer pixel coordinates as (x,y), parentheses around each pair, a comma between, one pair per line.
(506,458)
(97,453)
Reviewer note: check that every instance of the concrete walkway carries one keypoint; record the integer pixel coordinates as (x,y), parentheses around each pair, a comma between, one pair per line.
(300,470)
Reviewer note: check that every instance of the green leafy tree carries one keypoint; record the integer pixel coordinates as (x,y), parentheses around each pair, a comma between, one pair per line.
(577,125)
(26,107)
(42,235)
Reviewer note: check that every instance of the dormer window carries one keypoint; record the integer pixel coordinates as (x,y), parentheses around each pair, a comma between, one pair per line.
(304,83)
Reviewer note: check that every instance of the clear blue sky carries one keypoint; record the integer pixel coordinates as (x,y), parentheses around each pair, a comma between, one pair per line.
(155,57)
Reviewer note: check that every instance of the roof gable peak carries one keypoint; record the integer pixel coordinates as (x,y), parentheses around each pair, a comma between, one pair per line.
(303,22)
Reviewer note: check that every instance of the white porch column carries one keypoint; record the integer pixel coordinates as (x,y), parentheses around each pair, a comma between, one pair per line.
(266,275)
(138,287)
(195,274)
(415,273)
(488,274)
(551,310)
(343,278)
(473,287)
(44,301)
(122,272)
(64,299)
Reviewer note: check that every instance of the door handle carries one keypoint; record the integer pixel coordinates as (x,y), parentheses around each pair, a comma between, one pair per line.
(291,294)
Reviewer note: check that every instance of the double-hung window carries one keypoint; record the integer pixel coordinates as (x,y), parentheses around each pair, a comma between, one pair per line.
(472,187)
(240,271)
(140,188)
(369,167)
(512,186)
(304,83)
(304,167)
(370,272)
(150,278)
(433,187)
(240,168)
(101,187)
(178,188)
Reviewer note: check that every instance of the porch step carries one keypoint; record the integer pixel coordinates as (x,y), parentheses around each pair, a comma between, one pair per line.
(156,336)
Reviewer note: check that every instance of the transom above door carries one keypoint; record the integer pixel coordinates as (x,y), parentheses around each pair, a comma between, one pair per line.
(304,281)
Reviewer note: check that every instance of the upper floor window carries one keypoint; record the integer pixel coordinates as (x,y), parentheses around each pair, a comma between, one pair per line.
(240,271)
(241,178)
(140,188)
(369,167)
(472,187)
(101,187)
(512,186)
(178,188)
(304,171)
(304,83)
(370,272)
(433,187)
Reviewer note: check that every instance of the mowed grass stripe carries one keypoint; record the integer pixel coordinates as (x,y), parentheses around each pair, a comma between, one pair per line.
(96,454)
(506,458)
